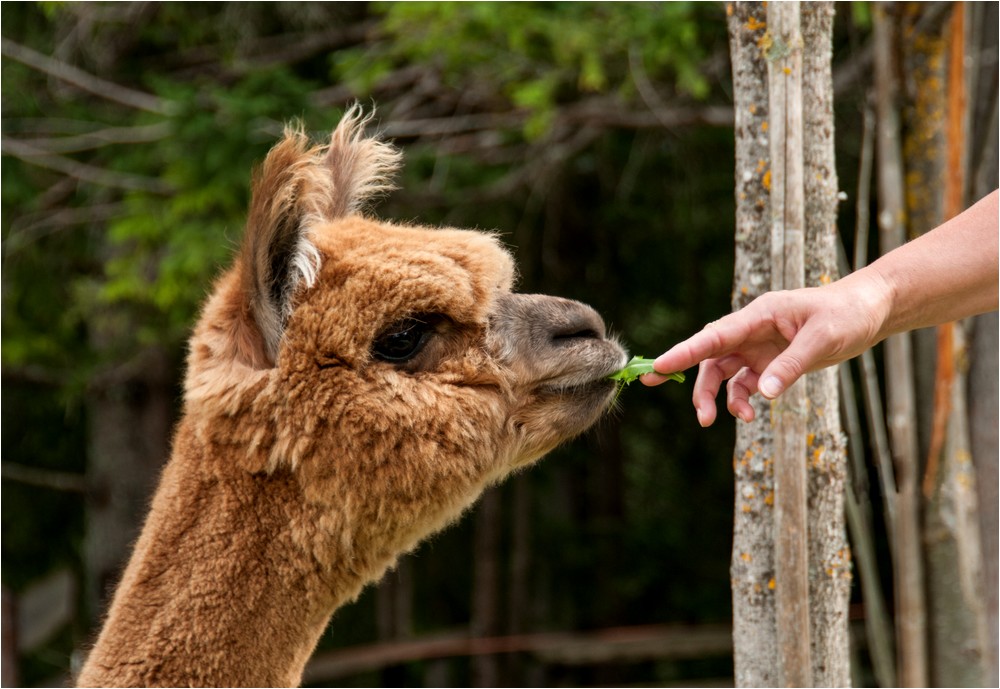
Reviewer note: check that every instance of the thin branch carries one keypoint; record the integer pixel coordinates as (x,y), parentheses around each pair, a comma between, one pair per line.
(84,80)
(610,111)
(401,80)
(30,228)
(295,48)
(621,643)
(44,478)
(448,126)
(33,374)
(869,378)
(911,610)
(102,137)
(81,171)
(644,86)
(862,213)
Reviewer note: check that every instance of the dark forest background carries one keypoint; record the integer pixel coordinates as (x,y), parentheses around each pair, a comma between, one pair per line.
(596,138)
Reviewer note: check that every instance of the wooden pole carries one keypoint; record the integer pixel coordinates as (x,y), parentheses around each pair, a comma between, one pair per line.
(752,573)
(789,411)
(908,568)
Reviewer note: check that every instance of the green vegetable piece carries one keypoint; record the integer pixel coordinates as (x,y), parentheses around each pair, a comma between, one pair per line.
(637,367)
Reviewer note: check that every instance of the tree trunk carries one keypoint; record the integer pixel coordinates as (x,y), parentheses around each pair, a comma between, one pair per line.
(789,412)
(900,396)
(130,413)
(755,645)
(394,615)
(486,585)
(983,411)
(982,395)
(921,47)
(829,553)
(786,203)
(954,559)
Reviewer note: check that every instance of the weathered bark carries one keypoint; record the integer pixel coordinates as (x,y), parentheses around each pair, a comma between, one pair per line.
(983,411)
(755,652)
(900,396)
(921,46)
(789,412)
(982,395)
(829,553)
(957,620)
(789,124)
(954,561)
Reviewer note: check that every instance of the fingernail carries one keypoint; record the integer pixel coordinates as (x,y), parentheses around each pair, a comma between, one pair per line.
(771,387)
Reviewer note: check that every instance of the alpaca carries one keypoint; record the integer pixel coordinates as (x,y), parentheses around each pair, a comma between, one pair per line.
(352,386)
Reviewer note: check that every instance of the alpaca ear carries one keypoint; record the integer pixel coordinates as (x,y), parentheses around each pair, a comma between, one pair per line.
(297,188)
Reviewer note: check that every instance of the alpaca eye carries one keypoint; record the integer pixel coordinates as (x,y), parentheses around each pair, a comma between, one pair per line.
(403,340)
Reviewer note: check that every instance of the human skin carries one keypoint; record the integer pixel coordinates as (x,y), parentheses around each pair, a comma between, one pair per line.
(944,275)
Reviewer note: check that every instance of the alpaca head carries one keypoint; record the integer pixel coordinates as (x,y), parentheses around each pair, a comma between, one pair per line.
(389,370)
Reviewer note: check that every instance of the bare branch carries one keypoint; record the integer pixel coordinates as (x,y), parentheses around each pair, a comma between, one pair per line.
(610,112)
(84,80)
(102,137)
(81,171)
(598,112)
(43,478)
(619,643)
(642,83)
(30,228)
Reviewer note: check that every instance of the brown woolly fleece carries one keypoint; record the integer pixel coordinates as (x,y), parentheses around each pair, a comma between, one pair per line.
(352,387)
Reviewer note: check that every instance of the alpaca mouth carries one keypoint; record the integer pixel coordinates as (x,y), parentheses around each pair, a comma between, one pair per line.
(590,379)
(602,384)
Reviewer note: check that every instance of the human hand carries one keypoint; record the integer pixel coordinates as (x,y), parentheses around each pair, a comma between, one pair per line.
(766,346)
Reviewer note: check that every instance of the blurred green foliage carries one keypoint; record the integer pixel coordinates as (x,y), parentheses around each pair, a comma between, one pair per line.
(538,55)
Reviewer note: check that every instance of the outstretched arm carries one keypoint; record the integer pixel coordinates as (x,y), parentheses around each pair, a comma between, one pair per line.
(946,274)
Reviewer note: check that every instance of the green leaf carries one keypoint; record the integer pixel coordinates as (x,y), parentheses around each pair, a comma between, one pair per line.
(639,366)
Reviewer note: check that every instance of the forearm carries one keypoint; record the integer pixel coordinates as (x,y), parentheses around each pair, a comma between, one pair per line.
(944,275)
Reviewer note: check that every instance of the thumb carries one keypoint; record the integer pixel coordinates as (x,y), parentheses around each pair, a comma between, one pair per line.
(788,367)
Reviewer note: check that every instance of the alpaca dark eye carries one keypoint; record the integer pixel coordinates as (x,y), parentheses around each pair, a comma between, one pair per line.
(403,340)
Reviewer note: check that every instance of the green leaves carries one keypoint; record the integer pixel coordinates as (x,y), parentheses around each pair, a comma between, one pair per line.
(639,366)
(538,56)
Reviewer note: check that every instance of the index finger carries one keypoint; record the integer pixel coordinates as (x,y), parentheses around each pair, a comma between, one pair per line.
(713,341)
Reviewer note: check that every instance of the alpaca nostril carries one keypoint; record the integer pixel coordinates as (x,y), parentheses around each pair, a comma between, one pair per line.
(578,322)
(582,334)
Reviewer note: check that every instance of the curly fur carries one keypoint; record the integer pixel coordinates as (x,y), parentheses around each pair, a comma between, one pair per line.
(304,465)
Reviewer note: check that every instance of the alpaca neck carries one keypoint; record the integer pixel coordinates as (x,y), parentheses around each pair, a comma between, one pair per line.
(217,593)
